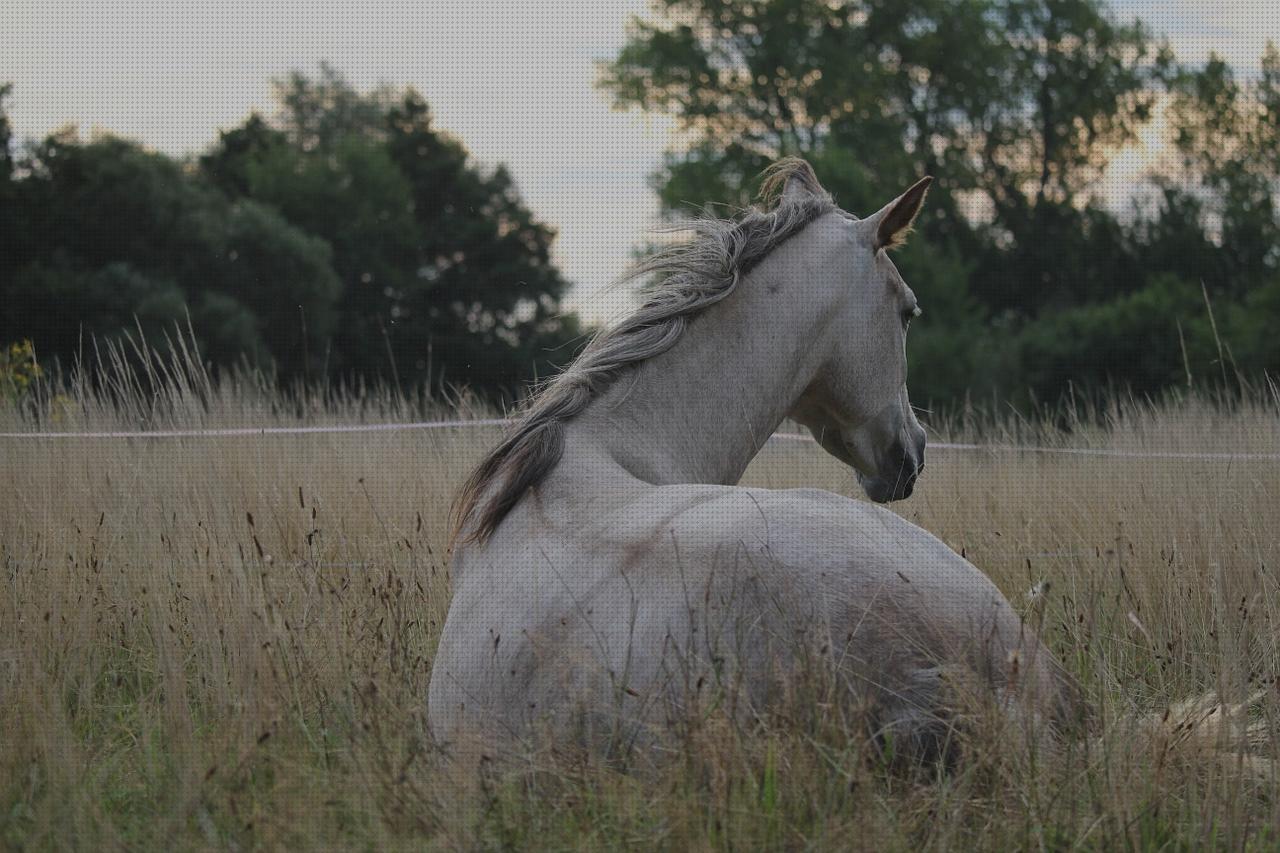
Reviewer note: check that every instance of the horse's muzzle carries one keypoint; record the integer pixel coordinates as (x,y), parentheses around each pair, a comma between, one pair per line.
(897,478)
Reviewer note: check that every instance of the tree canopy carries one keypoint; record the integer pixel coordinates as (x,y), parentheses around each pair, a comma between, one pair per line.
(1016,107)
(343,237)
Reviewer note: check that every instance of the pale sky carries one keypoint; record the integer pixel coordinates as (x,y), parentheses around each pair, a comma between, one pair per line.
(511,80)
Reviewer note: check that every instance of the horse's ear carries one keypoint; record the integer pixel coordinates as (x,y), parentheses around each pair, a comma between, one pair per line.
(893,222)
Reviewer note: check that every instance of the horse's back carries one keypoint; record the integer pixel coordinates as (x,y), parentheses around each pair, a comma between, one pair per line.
(641,608)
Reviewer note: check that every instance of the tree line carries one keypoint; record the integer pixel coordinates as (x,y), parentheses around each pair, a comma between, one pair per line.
(345,238)
(1033,285)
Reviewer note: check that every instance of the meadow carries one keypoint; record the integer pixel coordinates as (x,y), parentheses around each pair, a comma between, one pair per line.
(225,642)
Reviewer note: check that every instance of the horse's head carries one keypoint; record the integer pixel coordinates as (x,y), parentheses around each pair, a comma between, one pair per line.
(857,406)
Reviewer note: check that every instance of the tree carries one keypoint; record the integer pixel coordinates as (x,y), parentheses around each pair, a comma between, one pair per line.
(1078,85)
(1229,138)
(446,277)
(1014,105)
(857,88)
(120,237)
(6,138)
(227,164)
(345,236)
(1228,134)
(1144,341)
(11,225)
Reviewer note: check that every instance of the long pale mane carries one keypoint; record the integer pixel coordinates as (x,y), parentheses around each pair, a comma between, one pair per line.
(690,277)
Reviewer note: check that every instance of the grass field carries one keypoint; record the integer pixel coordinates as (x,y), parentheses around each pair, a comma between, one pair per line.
(225,643)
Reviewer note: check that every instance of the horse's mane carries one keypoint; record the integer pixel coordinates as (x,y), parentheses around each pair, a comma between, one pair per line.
(690,277)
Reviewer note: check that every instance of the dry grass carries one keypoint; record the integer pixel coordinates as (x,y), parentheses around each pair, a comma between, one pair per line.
(226,643)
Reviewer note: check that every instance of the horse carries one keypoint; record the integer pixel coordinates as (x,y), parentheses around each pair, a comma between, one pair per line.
(611,576)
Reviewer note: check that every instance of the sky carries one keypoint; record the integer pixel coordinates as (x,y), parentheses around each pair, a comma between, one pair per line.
(512,80)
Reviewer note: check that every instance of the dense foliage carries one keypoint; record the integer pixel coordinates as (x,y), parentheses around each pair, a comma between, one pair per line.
(1032,284)
(346,238)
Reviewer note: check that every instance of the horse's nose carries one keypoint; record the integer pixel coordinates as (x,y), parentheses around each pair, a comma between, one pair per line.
(911,463)
(912,459)
(914,452)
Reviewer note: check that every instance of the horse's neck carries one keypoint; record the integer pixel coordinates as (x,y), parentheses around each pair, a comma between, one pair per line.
(699,412)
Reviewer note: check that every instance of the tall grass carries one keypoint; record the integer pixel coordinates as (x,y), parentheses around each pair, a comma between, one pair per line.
(226,642)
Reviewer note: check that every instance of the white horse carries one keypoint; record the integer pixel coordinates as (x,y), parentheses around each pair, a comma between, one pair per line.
(609,574)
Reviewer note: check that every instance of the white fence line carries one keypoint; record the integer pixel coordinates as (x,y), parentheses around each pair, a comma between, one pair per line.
(1077,451)
(457,424)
